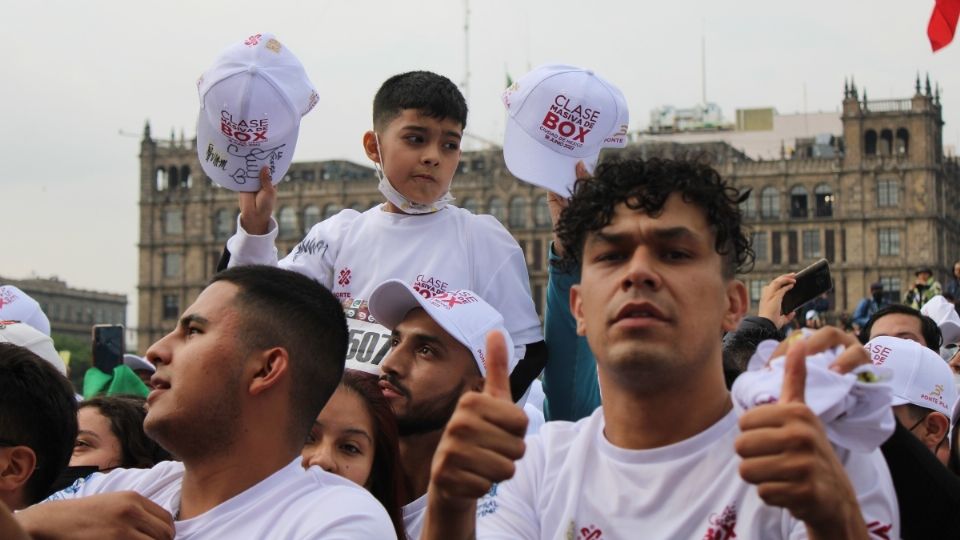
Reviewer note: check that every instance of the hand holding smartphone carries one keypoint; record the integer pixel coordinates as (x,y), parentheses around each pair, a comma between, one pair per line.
(812,281)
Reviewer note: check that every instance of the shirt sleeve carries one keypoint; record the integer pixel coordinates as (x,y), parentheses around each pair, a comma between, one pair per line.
(356,517)
(570,378)
(246,248)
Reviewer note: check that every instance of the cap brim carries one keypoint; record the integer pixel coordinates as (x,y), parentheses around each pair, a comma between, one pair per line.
(237,167)
(532,162)
(136,363)
(391,301)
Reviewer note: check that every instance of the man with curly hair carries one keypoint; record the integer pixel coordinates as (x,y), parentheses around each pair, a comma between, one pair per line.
(658,244)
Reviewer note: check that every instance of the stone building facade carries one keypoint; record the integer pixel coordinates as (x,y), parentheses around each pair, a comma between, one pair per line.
(877,201)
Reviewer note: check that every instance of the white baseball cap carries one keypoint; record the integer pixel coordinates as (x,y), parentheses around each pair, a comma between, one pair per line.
(944,313)
(920,376)
(136,363)
(26,336)
(16,305)
(558,115)
(251,101)
(462,313)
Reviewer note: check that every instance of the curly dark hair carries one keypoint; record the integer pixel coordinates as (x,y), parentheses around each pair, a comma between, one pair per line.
(645,185)
(125,414)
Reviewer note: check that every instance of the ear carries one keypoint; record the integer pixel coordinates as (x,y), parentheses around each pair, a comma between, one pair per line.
(370,146)
(17,464)
(936,426)
(576,309)
(271,367)
(737,304)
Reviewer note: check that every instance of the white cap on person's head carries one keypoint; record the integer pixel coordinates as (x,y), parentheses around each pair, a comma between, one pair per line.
(944,313)
(920,376)
(461,313)
(558,115)
(138,363)
(28,337)
(16,305)
(251,102)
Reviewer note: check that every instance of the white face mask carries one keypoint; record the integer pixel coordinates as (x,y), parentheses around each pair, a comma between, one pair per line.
(404,204)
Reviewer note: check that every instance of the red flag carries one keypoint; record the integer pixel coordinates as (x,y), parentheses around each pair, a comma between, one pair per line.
(943,23)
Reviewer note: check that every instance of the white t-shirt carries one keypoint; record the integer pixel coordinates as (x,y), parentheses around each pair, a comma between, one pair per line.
(413,514)
(352,253)
(289,504)
(572,483)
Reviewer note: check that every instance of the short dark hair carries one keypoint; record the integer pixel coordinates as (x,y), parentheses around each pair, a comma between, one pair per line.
(433,95)
(126,414)
(928,327)
(645,185)
(387,482)
(38,410)
(282,308)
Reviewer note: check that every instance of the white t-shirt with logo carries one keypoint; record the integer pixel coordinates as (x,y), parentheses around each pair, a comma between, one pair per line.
(289,504)
(572,483)
(352,253)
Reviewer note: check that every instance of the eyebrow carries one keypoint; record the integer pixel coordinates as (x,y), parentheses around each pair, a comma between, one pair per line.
(421,129)
(193,318)
(679,233)
(89,433)
(421,338)
(353,431)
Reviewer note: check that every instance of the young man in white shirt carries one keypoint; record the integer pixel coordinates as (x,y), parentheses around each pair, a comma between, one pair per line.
(437,353)
(238,385)
(659,243)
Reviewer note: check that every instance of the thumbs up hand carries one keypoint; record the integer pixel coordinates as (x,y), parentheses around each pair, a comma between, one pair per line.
(785,450)
(481,441)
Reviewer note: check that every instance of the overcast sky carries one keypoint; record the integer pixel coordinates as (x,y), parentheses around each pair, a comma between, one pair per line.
(80,78)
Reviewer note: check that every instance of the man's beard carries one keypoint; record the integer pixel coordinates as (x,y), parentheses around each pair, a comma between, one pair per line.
(429,416)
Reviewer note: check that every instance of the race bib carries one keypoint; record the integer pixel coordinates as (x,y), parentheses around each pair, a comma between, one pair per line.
(369,342)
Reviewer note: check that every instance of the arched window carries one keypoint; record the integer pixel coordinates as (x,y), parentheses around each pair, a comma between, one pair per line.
(824,200)
(541,212)
(518,212)
(161,179)
(770,203)
(798,202)
(287,222)
(330,210)
(496,209)
(870,142)
(470,204)
(886,142)
(223,221)
(174,178)
(311,216)
(186,179)
(903,142)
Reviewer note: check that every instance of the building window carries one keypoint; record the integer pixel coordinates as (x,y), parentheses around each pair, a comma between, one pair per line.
(798,202)
(888,193)
(518,212)
(171,265)
(889,241)
(171,306)
(902,144)
(811,244)
(330,210)
(886,142)
(173,221)
(471,204)
(756,290)
(311,216)
(770,203)
(496,209)
(223,224)
(538,254)
(748,208)
(287,222)
(891,289)
(541,213)
(160,178)
(759,241)
(870,142)
(824,200)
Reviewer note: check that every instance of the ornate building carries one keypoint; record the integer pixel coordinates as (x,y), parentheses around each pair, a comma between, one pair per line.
(876,200)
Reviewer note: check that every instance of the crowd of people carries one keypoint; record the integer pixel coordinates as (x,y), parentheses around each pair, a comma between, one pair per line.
(648,405)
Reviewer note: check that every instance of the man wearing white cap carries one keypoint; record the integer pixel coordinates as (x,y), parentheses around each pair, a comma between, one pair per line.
(438,353)
(923,390)
(28,337)
(16,305)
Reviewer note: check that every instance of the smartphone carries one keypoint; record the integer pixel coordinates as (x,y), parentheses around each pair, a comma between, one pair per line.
(812,281)
(108,346)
